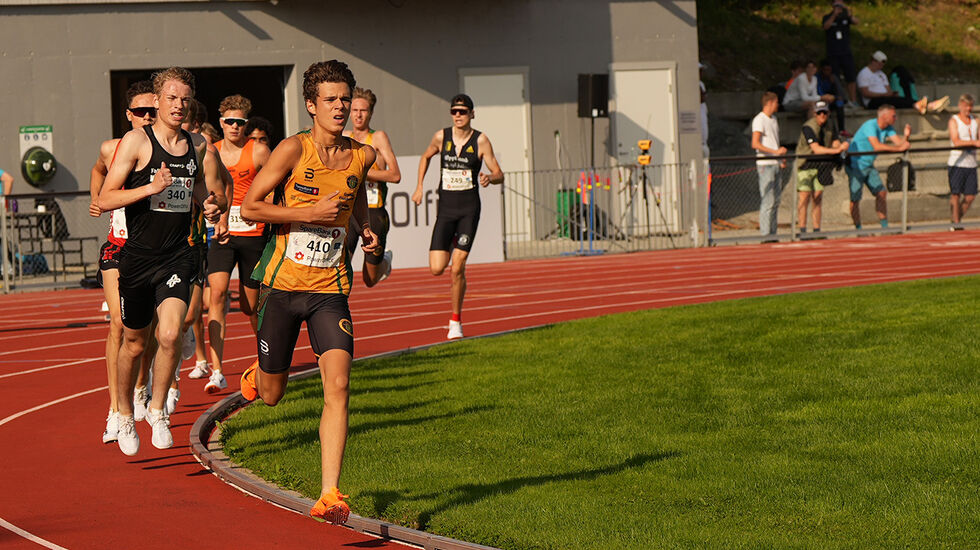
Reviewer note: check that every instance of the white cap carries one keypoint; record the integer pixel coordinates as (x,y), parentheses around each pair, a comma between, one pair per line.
(879,56)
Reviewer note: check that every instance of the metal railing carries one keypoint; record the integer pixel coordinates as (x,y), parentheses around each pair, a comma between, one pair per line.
(49,240)
(591,211)
(918,198)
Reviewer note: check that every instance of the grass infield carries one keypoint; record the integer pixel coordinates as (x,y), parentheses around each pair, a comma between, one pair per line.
(842,418)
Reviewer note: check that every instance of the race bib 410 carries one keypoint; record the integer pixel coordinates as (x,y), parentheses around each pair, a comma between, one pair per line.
(315,245)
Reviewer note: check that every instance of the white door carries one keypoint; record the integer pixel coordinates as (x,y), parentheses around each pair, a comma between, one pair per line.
(502,110)
(645,109)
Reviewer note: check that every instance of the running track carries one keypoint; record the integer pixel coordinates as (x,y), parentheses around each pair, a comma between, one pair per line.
(63,488)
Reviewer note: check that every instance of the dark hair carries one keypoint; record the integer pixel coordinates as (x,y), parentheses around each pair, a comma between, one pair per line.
(326,71)
(796,64)
(824,63)
(258,123)
(199,113)
(139,87)
(179,74)
(462,99)
(364,93)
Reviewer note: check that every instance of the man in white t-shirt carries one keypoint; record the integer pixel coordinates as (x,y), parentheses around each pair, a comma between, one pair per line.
(876,91)
(765,141)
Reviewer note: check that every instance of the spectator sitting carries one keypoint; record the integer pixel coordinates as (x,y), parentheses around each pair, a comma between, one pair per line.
(903,82)
(828,83)
(803,94)
(795,68)
(875,89)
(962,164)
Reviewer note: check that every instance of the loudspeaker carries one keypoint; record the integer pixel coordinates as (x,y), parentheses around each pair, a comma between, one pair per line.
(593,96)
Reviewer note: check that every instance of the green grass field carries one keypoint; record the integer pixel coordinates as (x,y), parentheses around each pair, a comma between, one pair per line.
(844,418)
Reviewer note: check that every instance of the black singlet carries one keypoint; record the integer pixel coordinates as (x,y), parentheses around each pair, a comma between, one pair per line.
(459,176)
(160,224)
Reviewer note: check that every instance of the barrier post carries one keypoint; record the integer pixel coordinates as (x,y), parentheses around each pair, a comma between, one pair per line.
(5,249)
(905,192)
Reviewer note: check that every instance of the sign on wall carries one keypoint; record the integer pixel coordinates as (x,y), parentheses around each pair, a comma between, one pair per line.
(36,136)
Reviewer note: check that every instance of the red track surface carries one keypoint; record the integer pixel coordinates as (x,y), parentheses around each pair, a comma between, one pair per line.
(61,485)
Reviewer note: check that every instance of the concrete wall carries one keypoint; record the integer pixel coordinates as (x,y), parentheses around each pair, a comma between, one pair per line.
(56,61)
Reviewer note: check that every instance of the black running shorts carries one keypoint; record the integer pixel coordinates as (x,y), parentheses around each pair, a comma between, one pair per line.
(281,313)
(146,281)
(380,224)
(202,265)
(243,251)
(455,229)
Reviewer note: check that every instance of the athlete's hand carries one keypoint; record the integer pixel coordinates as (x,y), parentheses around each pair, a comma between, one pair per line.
(417,197)
(325,210)
(211,211)
(484,179)
(94,210)
(161,180)
(369,241)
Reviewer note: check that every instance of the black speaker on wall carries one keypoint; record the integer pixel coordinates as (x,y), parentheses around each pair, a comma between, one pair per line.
(593,96)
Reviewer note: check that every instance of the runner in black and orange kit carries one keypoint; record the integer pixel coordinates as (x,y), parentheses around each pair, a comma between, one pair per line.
(385,170)
(140,112)
(243,245)
(157,173)
(305,270)
(462,152)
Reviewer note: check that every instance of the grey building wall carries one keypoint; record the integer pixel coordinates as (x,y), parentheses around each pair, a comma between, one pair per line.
(56,61)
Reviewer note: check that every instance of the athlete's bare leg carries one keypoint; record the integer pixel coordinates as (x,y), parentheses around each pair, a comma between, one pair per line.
(459,279)
(146,360)
(134,343)
(248,299)
(110,286)
(335,375)
(216,317)
(171,314)
(438,260)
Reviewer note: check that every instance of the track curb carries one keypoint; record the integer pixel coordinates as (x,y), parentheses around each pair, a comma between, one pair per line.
(202,447)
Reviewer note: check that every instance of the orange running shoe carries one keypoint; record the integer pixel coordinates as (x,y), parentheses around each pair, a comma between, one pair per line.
(248,382)
(331,508)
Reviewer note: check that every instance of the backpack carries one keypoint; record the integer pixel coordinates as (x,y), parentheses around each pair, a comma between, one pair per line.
(894,175)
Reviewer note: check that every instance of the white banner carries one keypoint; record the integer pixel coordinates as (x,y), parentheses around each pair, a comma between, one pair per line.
(411,225)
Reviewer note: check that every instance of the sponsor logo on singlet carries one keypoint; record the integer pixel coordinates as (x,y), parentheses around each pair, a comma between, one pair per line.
(308,190)
(352,181)
(191,167)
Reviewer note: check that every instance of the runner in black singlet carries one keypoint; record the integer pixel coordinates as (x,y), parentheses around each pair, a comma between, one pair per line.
(462,151)
(158,171)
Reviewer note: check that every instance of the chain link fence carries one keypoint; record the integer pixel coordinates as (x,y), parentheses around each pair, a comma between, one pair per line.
(49,240)
(917,198)
(591,211)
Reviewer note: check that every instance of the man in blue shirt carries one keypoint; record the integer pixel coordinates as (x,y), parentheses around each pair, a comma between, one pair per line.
(876,135)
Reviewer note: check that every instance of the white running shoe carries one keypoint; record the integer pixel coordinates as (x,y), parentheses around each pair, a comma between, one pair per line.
(173,396)
(387,261)
(129,441)
(187,346)
(160,421)
(455,330)
(201,370)
(216,382)
(140,400)
(111,427)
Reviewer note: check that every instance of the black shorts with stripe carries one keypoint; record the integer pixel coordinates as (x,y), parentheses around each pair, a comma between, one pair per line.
(281,314)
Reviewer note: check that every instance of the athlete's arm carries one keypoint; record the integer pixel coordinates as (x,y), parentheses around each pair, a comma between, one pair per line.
(260,155)
(216,203)
(486,154)
(369,242)
(221,226)
(97,177)
(430,152)
(281,162)
(113,194)
(391,172)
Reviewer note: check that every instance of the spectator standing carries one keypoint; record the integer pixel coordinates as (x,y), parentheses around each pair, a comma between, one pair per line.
(877,135)
(962,165)
(765,141)
(837,30)
(803,93)
(876,89)
(704,115)
(818,137)
(828,83)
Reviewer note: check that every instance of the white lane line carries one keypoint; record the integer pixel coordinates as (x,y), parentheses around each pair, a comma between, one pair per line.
(29,536)
(39,369)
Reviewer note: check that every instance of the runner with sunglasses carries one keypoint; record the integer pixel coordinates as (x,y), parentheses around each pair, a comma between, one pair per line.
(158,171)
(139,112)
(237,241)
(385,170)
(462,152)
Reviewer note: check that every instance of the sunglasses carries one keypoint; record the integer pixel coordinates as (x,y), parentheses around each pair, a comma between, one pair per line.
(824,113)
(233,121)
(140,112)
(459,111)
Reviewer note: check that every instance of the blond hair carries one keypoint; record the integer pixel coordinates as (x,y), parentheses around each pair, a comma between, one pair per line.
(179,74)
(235,103)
